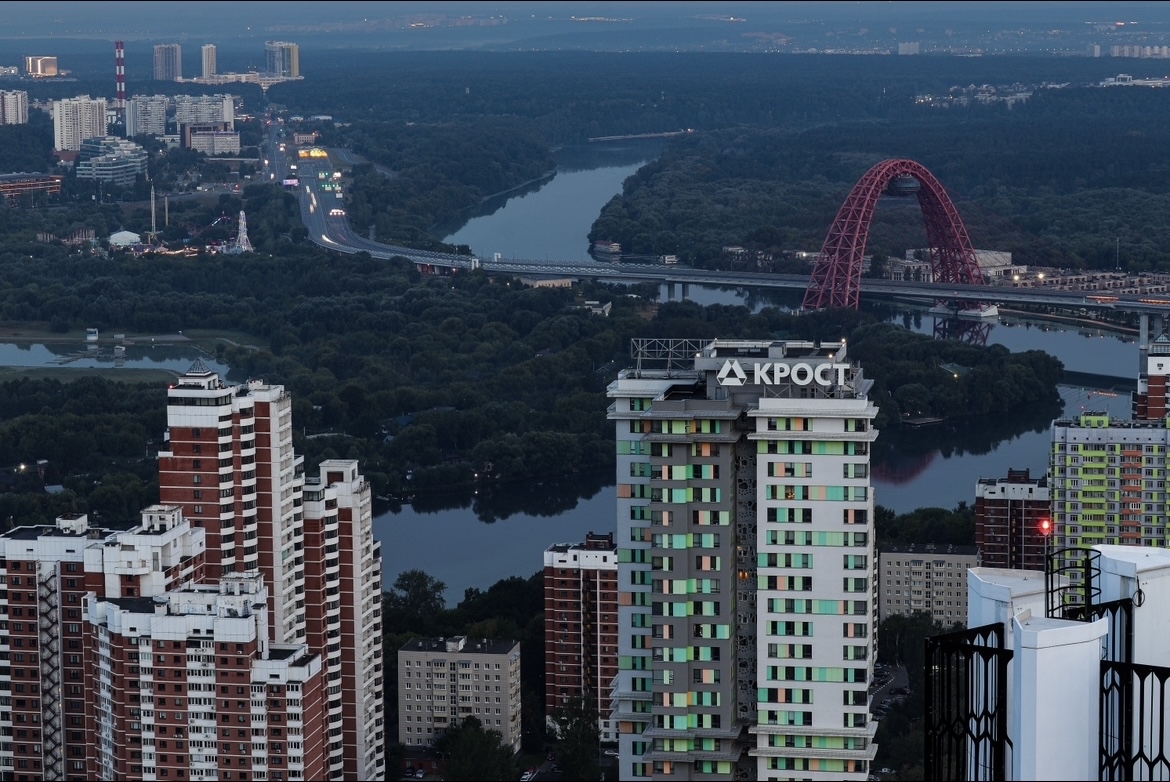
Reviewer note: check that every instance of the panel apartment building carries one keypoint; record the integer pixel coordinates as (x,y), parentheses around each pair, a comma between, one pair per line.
(925,578)
(581,626)
(442,681)
(229,465)
(746,561)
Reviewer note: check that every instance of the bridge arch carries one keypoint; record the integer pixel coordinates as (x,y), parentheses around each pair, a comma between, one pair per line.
(836,277)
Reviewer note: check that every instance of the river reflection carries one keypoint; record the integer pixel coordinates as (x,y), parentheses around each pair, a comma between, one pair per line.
(446,535)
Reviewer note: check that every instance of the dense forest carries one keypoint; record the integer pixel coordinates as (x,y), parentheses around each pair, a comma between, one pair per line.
(1056,181)
(431,382)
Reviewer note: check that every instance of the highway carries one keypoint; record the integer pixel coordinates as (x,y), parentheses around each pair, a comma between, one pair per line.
(323,215)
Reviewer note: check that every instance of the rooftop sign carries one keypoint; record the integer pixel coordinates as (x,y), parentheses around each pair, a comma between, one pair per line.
(774,372)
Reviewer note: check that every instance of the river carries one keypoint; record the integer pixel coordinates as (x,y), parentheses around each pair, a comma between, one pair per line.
(474,539)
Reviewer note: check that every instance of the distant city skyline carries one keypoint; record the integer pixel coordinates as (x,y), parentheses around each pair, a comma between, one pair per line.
(82,20)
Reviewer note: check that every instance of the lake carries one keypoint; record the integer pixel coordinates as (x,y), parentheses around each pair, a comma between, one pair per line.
(175,357)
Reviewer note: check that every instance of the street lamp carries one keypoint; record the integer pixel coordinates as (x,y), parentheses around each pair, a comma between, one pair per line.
(1046,533)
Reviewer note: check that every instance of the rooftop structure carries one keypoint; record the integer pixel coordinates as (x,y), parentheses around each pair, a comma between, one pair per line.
(1064,677)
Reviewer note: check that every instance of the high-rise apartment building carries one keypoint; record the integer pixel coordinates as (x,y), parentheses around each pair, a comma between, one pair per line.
(1010,514)
(283,58)
(44,654)
(581,626)
(77,119)
(40,67)
(746,562)
(208,58)
(13,107)
(1149,401)
(168,62)
(205,109)
(187,685)
(343,575)
(442,681)
(925,579)
(146,115)
(1107,482)
(231,467)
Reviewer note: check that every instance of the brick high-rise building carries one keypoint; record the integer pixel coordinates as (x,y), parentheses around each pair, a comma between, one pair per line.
(230,465)
(1149,401)
(581,625)
(1009,513)
(187,685)
(343,576)
(45,660)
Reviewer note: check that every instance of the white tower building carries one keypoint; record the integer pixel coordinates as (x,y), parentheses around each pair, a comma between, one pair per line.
(76,119)
(746,564)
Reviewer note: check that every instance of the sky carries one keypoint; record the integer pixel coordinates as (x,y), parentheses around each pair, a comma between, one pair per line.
(170,19)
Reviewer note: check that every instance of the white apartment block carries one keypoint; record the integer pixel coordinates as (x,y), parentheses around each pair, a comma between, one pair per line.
(216,142)
(146,115)
(13,107)
(208,59)
(746,563)
(205,109)
(442,681)
(77,119)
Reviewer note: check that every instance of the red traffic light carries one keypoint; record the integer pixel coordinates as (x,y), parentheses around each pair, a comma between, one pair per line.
(1045,526)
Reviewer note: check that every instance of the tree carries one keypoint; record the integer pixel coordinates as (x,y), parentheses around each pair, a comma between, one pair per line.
(414,602)
(476,753)
(576,726)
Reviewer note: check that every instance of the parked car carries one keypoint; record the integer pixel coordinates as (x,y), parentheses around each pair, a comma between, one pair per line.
(613,753)
(527,775)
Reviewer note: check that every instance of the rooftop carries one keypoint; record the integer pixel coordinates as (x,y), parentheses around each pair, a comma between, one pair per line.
(931,548)
(453,645)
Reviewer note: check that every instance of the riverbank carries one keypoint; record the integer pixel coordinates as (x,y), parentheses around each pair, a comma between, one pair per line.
(1072,320)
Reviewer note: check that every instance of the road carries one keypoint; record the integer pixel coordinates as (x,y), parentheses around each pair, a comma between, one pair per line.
(332,231)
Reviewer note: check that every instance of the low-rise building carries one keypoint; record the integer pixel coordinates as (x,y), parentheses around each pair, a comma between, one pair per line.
(925,578)
(216,142)
(111,159)
(442,681)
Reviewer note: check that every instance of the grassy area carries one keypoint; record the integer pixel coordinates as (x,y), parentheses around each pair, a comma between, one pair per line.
(66,374)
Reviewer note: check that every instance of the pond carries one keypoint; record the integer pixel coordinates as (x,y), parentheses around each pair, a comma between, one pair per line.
(171,356)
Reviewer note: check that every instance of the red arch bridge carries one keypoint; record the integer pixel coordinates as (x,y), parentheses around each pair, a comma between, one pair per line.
(836,277)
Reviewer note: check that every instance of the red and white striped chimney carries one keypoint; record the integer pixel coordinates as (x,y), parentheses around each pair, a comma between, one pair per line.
(120,79)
